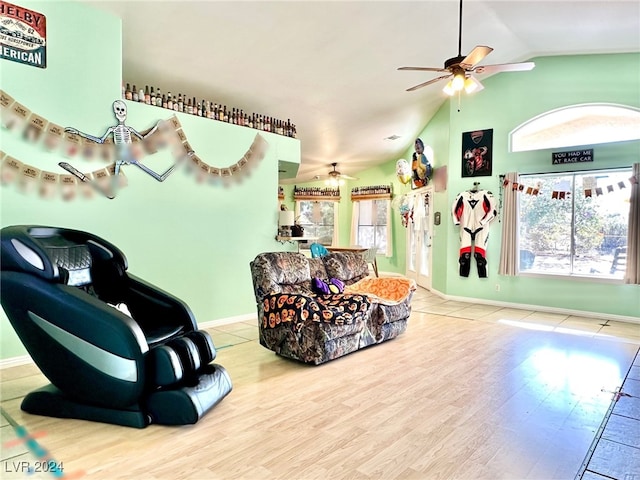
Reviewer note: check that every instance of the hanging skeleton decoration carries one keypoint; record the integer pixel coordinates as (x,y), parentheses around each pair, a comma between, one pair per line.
(122,139)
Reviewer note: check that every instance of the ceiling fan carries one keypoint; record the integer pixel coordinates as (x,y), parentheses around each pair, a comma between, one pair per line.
(459,69)
(334,177)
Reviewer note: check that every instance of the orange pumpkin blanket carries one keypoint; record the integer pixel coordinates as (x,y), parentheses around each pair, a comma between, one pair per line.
(386,290)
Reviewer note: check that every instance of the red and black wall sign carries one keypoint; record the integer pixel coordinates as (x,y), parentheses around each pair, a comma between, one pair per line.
(23,35)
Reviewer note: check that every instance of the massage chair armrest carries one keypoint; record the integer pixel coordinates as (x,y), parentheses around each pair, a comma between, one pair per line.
(152,306)
(75,338)
(74,311)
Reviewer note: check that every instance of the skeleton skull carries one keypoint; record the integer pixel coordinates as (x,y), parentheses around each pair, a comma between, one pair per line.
(120,110)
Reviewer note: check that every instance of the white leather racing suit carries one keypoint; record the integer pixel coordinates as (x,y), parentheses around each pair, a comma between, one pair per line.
(473,211)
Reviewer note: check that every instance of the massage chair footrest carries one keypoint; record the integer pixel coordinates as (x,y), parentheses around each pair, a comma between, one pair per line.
(51,402)
(186,405)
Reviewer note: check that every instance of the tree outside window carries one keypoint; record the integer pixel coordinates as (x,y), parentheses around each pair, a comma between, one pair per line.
(372,224)
(576,225)
(318,219)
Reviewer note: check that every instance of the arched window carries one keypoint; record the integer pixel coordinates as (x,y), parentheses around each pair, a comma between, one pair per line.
(585,124)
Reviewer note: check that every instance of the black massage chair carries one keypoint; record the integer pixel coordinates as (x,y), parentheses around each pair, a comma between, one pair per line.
(115,348)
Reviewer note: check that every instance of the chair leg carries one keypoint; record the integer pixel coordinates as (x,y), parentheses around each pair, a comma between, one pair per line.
(375,267)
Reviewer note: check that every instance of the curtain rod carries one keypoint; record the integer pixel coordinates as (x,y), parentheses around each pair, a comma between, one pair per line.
(612,169)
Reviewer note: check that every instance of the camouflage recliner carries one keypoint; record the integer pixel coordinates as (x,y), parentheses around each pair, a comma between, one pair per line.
(297,322)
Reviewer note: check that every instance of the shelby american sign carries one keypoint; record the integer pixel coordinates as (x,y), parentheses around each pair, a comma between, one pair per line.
(23,35)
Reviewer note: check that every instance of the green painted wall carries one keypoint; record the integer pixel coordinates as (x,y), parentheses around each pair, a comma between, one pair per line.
(508,100)
(190,238)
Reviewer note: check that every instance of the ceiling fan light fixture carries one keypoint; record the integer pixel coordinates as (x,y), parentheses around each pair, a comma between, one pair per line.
(334,182)
(448,88)
(471,85)
(457,83)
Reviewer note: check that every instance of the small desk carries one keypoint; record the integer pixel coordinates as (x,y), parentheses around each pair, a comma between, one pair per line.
(347,249)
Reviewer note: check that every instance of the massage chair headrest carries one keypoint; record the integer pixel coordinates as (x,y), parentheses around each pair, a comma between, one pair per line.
(56,254)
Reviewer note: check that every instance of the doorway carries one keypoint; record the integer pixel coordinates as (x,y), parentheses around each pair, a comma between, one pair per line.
(420,236)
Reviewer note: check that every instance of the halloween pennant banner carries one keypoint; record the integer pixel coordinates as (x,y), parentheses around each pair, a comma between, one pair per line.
(54,138)
(561,192)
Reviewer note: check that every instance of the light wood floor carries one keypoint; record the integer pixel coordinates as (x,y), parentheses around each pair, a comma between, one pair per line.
(467,392)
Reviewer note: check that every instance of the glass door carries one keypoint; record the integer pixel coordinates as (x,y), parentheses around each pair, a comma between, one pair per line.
(419,238)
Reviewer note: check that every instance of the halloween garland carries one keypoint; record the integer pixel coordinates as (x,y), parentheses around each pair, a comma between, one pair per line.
(53,138)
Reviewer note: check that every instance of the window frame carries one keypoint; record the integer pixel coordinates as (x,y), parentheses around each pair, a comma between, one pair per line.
(566,276)
(336,218)
(356,224)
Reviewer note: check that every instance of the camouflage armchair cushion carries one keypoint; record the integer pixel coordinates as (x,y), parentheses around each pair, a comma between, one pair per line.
(347,266)
(275,272)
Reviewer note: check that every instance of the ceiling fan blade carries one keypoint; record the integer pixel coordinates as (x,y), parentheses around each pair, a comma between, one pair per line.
(347,177)
(428,82)
(505,67)
(476,56)
(424,69)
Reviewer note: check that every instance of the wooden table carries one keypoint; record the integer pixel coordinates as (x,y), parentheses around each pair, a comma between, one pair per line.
(347,249)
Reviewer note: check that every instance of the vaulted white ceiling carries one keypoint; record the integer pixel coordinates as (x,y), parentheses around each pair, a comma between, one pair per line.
(331,66)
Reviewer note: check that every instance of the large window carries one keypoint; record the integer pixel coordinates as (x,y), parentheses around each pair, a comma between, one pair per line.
(576,224)
(319,219)
(372,224)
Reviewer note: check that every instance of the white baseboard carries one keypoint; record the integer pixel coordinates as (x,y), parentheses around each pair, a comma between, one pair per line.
(15,361)
(226,321)
(540,308)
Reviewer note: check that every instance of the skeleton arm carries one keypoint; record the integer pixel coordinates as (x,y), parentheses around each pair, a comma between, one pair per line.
(90,137)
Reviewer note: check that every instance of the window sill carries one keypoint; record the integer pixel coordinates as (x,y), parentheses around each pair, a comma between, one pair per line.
(577,278)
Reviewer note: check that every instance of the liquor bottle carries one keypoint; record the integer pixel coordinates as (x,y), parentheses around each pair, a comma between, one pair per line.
(199,109)
(147,95)
(141,95)
(180,103)
(189,107)
(226,114)
(128,95)
(163,101)
(134,94)
(169,101)
(152,98)
(159,97)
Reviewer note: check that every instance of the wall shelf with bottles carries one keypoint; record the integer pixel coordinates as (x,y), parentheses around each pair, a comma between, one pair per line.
(316,193)
(371,192)
(207,109)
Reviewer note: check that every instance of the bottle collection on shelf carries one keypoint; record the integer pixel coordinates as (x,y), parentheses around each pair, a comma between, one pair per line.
(208,109)
(371,190)
(316,191)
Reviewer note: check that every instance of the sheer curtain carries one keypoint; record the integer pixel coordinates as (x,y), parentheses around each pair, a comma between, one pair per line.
(509,246)
(355,221)
(632,274)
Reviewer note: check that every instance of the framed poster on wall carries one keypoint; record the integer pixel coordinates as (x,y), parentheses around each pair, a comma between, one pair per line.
(477,149)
